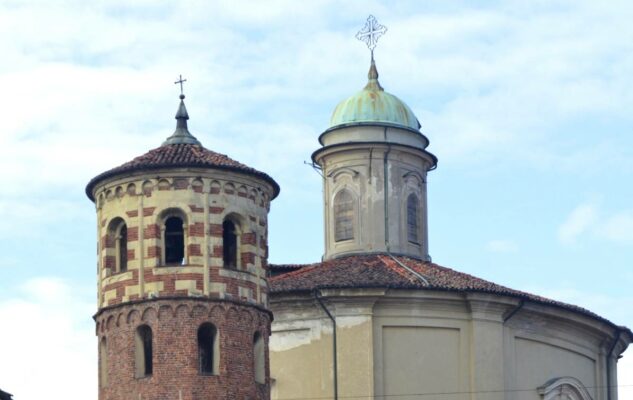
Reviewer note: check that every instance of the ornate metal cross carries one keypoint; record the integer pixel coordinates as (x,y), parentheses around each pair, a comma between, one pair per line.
(181,81)
(370,33)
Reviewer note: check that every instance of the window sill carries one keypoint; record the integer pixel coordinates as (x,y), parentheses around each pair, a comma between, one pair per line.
(173,265)
(117,277)
(177,269)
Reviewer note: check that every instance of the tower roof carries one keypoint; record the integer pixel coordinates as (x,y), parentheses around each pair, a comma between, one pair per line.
(182,135)
(180,150)
(373,105)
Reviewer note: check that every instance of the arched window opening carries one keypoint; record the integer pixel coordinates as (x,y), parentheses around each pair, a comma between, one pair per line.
(103,363)
(143,351)
(259,358)
(343,216)
(207,352)
(116,246)
(121,245)
(412,218)
(174,241)
(229,243)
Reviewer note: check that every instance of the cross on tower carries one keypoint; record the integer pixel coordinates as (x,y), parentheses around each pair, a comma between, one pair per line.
(370,33)
(181,81)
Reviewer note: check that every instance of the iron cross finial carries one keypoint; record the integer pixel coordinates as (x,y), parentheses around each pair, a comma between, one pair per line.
(370,33)
(181,81)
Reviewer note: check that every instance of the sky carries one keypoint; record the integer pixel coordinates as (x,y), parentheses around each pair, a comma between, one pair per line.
(527,105)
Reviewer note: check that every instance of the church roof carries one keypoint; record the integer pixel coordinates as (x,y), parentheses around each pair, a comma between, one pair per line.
(374,106)
(180,150)
(397,272)
(180,155)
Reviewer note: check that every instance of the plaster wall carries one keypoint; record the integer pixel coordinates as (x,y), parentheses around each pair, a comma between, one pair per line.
(428,364)
(538,361)
(361,169)
(444,345)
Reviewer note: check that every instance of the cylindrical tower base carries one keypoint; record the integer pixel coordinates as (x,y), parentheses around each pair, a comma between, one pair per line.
(183,349)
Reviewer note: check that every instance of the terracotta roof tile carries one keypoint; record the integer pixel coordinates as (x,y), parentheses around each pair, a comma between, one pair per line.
(180,155)
(382,271)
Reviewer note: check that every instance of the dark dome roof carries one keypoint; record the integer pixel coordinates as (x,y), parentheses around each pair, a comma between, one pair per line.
(180,155)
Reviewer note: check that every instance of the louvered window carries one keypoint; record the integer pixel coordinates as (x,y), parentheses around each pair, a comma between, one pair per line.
(412,218)
(343,216)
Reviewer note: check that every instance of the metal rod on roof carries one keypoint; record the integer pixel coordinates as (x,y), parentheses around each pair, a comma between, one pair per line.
(416,274)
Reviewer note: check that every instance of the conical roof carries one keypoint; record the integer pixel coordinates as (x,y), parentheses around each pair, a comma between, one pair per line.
(180,150)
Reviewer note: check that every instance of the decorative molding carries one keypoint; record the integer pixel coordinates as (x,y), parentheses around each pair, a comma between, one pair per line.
(414,175)
(565,388)
(343,171)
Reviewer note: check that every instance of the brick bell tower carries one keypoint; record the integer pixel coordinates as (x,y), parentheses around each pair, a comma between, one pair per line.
(182,291)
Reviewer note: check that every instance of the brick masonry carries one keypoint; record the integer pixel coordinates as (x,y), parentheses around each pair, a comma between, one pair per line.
(174,323)
(174,300)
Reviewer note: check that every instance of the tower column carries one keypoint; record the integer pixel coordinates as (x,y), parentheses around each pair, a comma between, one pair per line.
(166,332)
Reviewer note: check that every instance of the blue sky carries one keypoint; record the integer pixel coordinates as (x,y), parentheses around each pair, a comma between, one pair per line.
(527,106)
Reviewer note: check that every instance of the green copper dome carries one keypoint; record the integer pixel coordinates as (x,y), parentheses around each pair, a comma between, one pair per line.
(373,105)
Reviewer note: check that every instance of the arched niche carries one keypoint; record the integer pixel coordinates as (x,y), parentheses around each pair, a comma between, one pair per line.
(565,388)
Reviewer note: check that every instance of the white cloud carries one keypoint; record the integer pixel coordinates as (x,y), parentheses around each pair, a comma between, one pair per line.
(587,218)
(578,222)
(88,87)
(502,246)
(618,228)
(48,337)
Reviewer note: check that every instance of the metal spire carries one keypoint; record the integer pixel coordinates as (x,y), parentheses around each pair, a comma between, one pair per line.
(370,34)
(181,135)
